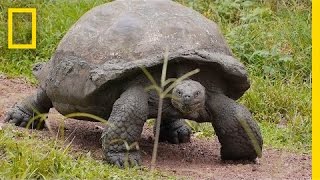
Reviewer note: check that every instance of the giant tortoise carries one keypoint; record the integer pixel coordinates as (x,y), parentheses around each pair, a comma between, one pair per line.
(96,69)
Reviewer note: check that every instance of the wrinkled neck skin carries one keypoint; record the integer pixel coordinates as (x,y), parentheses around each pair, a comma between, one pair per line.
(202,115)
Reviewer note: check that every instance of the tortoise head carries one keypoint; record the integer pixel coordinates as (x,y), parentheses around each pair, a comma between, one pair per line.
(188,96)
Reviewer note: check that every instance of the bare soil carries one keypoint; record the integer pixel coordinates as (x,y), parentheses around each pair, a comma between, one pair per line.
(199,159)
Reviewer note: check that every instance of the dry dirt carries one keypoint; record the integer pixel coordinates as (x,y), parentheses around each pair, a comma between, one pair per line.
(196,160)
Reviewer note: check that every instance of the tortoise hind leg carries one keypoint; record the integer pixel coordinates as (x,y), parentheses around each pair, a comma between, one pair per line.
(237,132)
(124,128)
(23,112)
(174,131)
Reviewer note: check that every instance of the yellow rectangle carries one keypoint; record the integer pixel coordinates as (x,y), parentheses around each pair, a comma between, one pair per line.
(315,89)
(34,28)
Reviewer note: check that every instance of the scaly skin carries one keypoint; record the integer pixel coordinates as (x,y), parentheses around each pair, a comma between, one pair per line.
(24,111)
(237,132)
(174,131)
(125,125)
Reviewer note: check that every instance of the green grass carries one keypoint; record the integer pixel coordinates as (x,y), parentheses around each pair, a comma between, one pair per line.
(272,38)
(283,110)
(54,18)
(24,156)
(21,28)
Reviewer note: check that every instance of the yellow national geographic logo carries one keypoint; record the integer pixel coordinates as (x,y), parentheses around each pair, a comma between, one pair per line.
(34,28)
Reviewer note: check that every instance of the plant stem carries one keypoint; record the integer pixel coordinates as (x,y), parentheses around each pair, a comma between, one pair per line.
(158,120)
(156,141)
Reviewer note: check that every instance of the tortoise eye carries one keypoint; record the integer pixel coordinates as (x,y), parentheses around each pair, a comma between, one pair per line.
(196,94)
(179,92)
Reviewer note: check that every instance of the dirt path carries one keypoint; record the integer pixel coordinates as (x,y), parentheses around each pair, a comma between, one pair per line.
(197,160)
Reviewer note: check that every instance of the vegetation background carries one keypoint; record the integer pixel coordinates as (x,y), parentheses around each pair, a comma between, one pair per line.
(271,37)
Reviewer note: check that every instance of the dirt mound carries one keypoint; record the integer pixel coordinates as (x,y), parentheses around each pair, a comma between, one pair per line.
(199,159)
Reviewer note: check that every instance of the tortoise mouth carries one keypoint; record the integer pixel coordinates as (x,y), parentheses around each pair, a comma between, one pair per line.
(186,108)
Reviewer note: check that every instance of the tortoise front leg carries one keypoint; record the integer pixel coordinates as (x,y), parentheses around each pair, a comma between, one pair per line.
(237,132)
(125,126)
(23,112)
